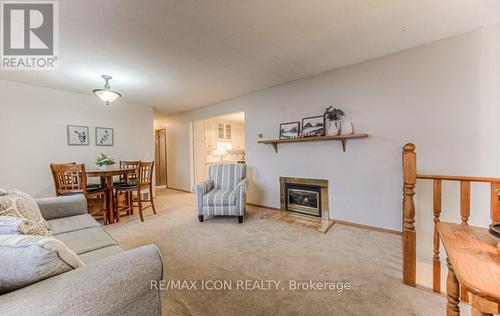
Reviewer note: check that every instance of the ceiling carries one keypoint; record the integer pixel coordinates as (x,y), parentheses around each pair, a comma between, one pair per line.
(178,55)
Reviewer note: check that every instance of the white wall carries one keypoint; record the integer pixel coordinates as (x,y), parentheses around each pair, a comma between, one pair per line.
(444,97)
(33,124)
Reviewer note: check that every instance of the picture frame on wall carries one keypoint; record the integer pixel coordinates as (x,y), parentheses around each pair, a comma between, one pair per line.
(78,135)
(289,130)
(313,126)
(104,136)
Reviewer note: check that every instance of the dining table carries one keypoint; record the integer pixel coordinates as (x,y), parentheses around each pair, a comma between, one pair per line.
(106,176)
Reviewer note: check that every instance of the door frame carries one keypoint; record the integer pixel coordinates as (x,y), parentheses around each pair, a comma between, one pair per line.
(157,135)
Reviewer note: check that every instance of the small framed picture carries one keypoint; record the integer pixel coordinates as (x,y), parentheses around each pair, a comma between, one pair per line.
(313,126)
(104,136)
(78,135)
(289,130)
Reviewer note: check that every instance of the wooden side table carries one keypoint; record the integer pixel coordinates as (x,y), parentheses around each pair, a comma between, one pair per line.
(473,264)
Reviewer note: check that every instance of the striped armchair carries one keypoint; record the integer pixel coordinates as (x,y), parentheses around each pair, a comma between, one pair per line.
(224,193)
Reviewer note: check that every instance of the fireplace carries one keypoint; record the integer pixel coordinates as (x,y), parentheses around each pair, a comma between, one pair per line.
(304,196)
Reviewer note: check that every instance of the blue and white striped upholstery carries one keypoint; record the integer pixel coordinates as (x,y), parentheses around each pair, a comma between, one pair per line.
(219,197)
(227,176)
(224,193)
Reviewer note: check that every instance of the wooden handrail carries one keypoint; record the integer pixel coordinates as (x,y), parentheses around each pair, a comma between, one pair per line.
(410,177)
(457,178)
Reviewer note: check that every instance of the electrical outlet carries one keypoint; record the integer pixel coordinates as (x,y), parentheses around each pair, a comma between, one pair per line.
(331,197)
(260,135)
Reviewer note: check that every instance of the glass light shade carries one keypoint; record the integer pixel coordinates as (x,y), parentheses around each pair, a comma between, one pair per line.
(107,95)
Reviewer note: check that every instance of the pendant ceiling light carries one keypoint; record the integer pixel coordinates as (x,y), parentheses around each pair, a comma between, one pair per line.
(107,95)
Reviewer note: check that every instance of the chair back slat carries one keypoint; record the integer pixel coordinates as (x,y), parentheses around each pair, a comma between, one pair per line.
(55,165)
(129,164)
(69,178)
(145,172)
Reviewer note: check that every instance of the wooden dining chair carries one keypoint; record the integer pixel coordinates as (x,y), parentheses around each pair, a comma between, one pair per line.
(124,199)
(144,182)
(71,179)
(131,176)
(53,166)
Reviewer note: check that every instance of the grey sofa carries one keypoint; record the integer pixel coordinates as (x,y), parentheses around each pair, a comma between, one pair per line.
(224,193)
(112,282)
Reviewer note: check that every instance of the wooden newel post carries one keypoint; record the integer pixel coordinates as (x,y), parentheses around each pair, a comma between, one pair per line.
(495,202)
(409,235)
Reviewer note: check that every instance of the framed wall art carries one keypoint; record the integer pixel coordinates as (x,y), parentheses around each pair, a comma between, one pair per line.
(78,135)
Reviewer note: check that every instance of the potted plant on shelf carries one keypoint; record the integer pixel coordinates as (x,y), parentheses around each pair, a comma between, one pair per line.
(334,117)
(103,161)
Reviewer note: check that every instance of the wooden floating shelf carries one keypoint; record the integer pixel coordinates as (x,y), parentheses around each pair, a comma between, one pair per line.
(342,138)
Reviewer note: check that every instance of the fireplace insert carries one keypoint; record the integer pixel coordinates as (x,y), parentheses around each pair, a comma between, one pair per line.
(303,198)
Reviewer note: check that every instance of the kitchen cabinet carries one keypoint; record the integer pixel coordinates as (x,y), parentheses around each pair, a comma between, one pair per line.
(238,136)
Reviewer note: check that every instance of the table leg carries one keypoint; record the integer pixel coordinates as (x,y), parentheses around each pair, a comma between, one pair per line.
(111,206)
(452,308)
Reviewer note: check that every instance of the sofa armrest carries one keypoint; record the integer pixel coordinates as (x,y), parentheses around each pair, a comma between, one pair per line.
(118,285)
(62,206)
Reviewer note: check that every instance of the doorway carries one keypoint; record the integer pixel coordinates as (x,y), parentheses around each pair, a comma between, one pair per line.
(161,157)
(217,140)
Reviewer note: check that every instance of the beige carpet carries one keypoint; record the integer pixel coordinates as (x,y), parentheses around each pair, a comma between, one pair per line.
(259,249)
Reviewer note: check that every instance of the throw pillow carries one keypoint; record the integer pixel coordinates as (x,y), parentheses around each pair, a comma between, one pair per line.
(28,259)
(19,204)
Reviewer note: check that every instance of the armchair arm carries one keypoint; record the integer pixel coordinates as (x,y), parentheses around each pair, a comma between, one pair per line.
(242,185)
(204,186)
(200,189)
(119,285)
(240,191)
(62,206)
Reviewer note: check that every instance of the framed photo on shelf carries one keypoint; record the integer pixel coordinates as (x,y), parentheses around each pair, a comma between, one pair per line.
(313,126)
(78,135)
(104,136)
(289,130)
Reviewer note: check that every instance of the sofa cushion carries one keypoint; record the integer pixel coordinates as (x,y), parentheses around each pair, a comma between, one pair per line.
(99,254)
(27,259)
(85,240)
(219,197)
(9,225)
(19,204)
(68,224)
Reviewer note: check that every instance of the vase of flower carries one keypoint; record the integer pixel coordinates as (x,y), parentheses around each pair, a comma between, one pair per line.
(334,123)
(333,128)
(103,162)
